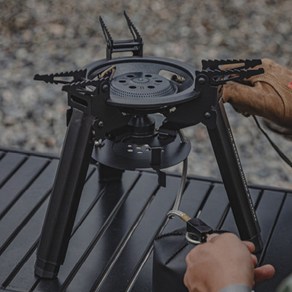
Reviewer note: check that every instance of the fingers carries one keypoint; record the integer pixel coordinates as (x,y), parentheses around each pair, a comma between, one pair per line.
(243,97)
(264,272)
(211,236)
(266,95)
(226,235)
(254,260)
(275,68)
(250,246)
(259,99)
(261,273)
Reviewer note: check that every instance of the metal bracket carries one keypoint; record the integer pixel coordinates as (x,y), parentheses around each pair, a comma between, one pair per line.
(219,72)
(219,77)
(135,45)
(241,64)
(63,77)
(201,107)
(90,97)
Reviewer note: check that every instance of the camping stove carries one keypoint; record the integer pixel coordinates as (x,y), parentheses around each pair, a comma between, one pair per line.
(127,113)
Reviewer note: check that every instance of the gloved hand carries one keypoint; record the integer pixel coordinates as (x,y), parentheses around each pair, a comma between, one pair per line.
(268,95)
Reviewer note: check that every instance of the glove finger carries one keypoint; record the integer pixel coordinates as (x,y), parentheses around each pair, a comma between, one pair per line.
(261,99)
(273,67)
(243,97)
(279,74)
(268,95)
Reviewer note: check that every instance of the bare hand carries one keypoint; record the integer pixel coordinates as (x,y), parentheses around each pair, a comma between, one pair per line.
(223,261)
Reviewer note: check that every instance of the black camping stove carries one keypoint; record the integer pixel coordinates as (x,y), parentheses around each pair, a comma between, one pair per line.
(127,113)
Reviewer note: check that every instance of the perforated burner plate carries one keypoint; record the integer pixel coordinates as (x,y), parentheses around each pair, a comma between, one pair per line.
(142,85)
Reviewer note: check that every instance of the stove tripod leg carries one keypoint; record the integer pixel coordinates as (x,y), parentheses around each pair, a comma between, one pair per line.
(109,174)
(233,177)
(64,201)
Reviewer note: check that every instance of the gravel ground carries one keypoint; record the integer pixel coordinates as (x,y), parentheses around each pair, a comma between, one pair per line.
(53,36)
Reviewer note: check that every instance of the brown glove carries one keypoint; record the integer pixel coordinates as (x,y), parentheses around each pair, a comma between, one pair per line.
(268,95)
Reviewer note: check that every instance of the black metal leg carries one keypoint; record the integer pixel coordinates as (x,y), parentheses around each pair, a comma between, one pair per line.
(68,185)
(109,174)
(233,177)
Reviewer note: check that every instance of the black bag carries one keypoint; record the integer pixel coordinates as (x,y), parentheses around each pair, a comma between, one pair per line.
(169,264)
(170,251)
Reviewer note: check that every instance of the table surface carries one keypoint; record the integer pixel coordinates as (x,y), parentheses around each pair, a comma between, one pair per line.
(111,244)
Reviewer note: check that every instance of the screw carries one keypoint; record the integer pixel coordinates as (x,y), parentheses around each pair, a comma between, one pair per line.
(105,88)
(202,81)
(100,124)
(207,115)
(98,143)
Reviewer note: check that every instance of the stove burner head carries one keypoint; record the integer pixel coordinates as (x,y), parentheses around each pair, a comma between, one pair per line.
(142,85)
(146,84)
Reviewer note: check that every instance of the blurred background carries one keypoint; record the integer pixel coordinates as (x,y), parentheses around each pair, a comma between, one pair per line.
(49,36)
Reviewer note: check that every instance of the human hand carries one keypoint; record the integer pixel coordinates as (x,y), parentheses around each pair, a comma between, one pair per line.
(223,261)
(261,273)
(268,95)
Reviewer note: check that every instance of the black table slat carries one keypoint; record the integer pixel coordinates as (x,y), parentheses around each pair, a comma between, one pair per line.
(21,248)
(26,204)
(268,209)
(229,221)
(2,154)
(213,211)
(9,164)
(279,250)
(21,179)
(143,282)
